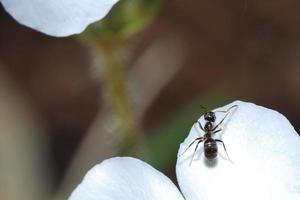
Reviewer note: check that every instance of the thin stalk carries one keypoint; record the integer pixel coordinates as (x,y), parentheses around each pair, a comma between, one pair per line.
(119,100)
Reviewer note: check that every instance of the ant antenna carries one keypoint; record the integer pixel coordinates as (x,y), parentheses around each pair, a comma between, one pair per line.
(204,108)
(227,113)
(223,111)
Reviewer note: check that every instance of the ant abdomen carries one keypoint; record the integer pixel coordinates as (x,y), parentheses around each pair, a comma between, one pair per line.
(210,149)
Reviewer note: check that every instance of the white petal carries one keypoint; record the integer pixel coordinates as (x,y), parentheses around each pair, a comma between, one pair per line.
(58,17)
(125,178)
(264,149)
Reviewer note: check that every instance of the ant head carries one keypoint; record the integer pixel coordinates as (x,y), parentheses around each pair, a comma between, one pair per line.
(210,116)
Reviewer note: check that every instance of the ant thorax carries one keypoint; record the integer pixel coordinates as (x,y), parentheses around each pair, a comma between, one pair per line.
(208,126)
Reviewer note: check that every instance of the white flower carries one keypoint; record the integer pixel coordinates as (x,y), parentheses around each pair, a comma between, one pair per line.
(58,17)
(262,144)
(125,178)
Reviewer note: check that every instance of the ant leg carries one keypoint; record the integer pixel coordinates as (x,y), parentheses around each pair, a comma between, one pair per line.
(224,148)
(200,126)
(217,131)
(220,122)
(200,138)
(225,111)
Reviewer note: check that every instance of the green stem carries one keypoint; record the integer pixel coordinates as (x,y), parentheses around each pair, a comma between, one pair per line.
(118,97)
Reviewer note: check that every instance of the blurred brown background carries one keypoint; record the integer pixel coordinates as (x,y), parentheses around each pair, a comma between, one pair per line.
(209,52)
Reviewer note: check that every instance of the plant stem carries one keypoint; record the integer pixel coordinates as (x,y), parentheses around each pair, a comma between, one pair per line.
(119,100)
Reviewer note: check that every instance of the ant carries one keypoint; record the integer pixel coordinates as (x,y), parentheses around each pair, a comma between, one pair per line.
(210,144)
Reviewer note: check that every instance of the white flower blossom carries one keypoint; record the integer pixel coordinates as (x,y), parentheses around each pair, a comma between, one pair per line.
(263,147)
(127,179)
(58,17)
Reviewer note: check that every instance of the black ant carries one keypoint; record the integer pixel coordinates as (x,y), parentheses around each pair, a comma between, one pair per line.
(210,144)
